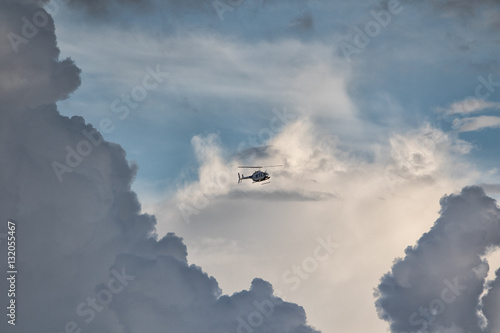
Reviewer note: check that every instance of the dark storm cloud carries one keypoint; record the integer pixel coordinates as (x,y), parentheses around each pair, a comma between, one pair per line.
(175,297)
(88,260)
(30,71)
(438,284)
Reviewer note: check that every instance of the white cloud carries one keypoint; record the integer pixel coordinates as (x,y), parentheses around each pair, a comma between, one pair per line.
(469,105)
(475,123)
(425,152)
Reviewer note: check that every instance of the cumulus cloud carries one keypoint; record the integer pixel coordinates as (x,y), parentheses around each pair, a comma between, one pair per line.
(438,285)
(31,72)
(424,153)
(88,259)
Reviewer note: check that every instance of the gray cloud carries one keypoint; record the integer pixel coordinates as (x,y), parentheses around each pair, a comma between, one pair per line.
(87,258)
(438,284)
(254,154)
(30,72)
(492,188)
(282,195)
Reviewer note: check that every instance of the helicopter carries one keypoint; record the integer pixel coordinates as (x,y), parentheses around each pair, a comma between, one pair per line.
(258,176)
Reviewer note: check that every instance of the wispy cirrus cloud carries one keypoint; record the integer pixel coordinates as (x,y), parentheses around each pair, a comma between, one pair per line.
(469,105)
(475,123)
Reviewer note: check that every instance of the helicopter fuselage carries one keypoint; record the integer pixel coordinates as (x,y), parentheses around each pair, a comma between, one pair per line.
(259,176)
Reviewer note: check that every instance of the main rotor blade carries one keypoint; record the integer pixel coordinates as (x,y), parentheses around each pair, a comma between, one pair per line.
(260,167)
